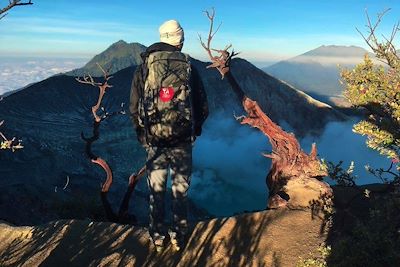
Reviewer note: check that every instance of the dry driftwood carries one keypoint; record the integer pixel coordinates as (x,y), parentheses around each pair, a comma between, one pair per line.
(11,4)
(293,172)
(122,216)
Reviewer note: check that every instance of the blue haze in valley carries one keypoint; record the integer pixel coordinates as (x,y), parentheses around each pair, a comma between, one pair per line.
(230,171)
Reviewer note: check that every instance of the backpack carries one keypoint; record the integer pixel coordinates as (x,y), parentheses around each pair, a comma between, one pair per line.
(165,108)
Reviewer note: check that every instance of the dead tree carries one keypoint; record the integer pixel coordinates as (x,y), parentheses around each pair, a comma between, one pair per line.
(122,216)
(12,143)
(5,143)
(385,51)
(289,161)
(11,4)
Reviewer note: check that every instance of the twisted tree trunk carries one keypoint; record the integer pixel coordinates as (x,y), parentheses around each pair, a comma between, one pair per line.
(294,178)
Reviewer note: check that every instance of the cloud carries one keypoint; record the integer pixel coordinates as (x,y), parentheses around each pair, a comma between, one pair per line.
(75,30)
(259,48)
(49,36)
(52,25)
(17,73)
(229,170)
(339,142)
(329,61)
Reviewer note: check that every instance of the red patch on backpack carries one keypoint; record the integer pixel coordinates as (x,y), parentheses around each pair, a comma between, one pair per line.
(166,94)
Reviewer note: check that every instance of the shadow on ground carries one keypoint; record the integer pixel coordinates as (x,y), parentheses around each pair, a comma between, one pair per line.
(268,238)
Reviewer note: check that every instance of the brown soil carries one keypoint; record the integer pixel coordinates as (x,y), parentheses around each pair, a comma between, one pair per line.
(267,238)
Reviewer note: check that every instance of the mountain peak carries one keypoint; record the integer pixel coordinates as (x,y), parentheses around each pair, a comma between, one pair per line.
(117,56)
(316,71)
(336,51)
(120,42)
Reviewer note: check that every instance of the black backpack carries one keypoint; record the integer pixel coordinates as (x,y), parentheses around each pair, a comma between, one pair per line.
(165,108)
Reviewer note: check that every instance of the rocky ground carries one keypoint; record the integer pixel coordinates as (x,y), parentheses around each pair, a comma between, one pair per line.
(362,228)
(267,238)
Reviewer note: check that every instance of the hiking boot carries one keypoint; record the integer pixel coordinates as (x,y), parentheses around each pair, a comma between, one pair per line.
(177,241)
(158,241)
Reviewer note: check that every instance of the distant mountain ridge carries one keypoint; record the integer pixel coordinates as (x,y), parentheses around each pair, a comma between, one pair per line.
(256,82)
(118,56)
(336,51)
(316,72)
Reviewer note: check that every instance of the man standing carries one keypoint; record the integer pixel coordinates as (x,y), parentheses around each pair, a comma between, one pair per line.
(168,106)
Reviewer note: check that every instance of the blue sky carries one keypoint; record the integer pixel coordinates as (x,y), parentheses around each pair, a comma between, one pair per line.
(262,30)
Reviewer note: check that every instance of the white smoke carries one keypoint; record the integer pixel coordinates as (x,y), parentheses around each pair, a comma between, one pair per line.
(339,142)
(229,170)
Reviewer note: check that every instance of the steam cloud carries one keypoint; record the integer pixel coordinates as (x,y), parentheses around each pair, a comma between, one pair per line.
(229,170)
(338,142)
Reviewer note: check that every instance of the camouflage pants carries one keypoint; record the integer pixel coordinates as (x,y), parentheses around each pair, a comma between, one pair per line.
(178,161)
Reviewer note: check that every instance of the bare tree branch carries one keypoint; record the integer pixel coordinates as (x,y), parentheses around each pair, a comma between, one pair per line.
(220,62)
(88,79)
(12,144)
(6,143)
(289,161)
(122,216)
(13,3)
(385,50)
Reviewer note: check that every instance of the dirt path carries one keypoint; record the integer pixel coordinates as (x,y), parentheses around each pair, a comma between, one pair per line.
(268,238)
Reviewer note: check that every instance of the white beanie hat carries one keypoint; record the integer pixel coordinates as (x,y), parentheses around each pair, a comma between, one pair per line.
(171,33)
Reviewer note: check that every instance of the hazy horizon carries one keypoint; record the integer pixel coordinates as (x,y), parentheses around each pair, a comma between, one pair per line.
(269,31)
(18,71)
